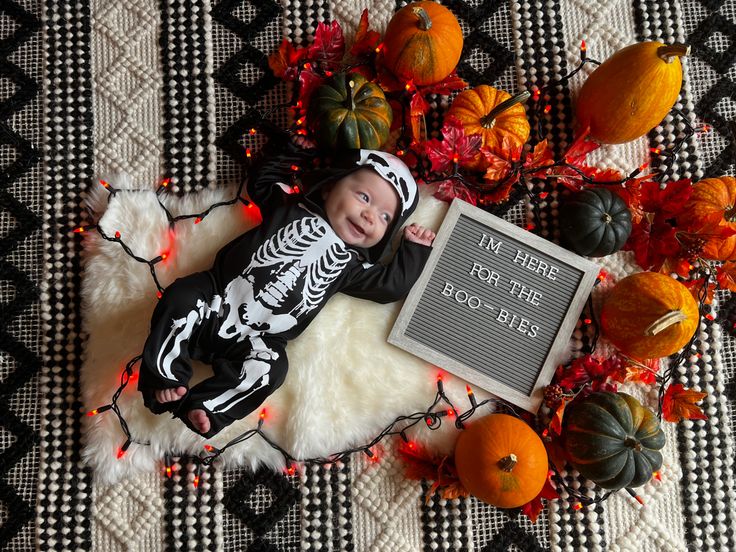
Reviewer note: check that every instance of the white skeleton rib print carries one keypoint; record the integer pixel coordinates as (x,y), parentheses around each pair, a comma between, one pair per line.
(304,258)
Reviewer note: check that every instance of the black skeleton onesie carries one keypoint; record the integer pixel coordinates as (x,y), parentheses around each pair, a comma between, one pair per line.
(267,285)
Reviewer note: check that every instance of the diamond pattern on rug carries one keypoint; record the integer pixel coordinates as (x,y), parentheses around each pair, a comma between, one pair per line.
(127,87)
(386,505)
(260,500)
(129,515)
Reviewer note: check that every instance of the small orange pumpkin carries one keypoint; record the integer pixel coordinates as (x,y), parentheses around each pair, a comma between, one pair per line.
(649,315)
(713,200)
(493,114)
(631,92)
(423,43)
(501,461)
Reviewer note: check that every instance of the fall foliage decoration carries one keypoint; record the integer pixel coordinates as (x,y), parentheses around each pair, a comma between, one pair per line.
(501,460)
(679,404)
(423,43)
(612,439)
(631,92)
(493,114)
(348,111)
(595,222)
(649,315)
(710,213)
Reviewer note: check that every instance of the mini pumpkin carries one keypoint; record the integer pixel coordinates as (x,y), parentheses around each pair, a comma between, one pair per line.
(501,460)
(595,222)
(493,114)
(649,315)
(631,92)
(613,440)
(350,112)
(423,43)
(712,203)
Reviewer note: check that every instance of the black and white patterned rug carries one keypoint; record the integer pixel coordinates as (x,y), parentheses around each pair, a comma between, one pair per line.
(158,88)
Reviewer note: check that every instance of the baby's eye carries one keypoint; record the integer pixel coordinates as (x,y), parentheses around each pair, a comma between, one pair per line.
(363,196)
(387,217)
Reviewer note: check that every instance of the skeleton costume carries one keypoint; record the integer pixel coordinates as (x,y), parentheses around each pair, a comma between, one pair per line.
(267,285)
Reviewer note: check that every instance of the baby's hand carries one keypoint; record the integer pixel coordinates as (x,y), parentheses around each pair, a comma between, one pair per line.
(419,234)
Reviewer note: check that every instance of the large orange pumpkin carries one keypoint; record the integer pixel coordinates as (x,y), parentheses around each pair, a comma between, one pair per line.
(423,43)
(631,92)
(501,461)
(493,114)
(649,315)
(713,200)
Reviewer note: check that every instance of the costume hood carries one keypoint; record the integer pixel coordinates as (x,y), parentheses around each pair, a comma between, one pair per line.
(390,167)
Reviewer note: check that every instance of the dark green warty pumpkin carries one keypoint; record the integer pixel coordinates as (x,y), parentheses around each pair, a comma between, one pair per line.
(349,111)
(613,440)
(595,222)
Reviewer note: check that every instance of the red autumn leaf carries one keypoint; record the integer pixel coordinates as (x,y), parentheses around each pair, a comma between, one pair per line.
(694,286)
(580,149)
(449,189)
(555,451)
(679,404)
(418,107)
(366,41)
(309,81)
(454,147)
(386,79)
(445,86)
(666,201)
(726,276)
(652,243)
(328,47)
(285,61)
(533,508)
(630,192)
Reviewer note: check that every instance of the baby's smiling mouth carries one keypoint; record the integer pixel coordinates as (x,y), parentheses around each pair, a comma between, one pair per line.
(357,229)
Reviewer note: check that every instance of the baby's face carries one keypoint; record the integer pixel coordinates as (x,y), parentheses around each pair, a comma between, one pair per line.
(360,208)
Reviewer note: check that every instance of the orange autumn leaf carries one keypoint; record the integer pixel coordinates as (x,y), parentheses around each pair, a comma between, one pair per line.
(679,404)
(726,276)
(556,422)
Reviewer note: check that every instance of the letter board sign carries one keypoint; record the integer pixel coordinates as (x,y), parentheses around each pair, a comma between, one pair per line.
(495,305)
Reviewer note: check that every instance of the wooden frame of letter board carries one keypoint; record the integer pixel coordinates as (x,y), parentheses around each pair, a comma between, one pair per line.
(590,271)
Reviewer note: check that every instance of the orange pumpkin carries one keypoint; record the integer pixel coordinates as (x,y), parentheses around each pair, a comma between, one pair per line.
(423,43)
(493,114)
(713,201)
(649,315)
(501,461)
(631,92)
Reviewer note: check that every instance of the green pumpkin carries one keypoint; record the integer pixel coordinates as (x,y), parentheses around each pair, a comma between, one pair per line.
(613,440)
(350,112)
(595,222)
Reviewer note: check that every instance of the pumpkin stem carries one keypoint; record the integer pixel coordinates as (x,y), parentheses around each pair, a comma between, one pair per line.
(487,121)
(668,53)
(607,218)
(351,96)
(632,443)
(665,321)
(425,23)
(507,463)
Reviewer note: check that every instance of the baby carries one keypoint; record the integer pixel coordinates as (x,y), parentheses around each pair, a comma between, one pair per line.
(267,285)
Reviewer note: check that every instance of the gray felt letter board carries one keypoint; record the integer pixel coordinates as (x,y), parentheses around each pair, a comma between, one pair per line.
(495,305)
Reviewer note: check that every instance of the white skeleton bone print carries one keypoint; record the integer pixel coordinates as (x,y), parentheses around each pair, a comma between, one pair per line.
(307,251)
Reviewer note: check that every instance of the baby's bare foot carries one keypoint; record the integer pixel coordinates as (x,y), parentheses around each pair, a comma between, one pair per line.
(168,395)
(199,419)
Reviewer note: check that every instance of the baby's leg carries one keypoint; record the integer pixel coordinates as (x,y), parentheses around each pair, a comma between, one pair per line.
(176,323)
(240,384)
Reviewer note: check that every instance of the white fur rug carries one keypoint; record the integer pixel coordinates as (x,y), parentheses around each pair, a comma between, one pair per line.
(345,382)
